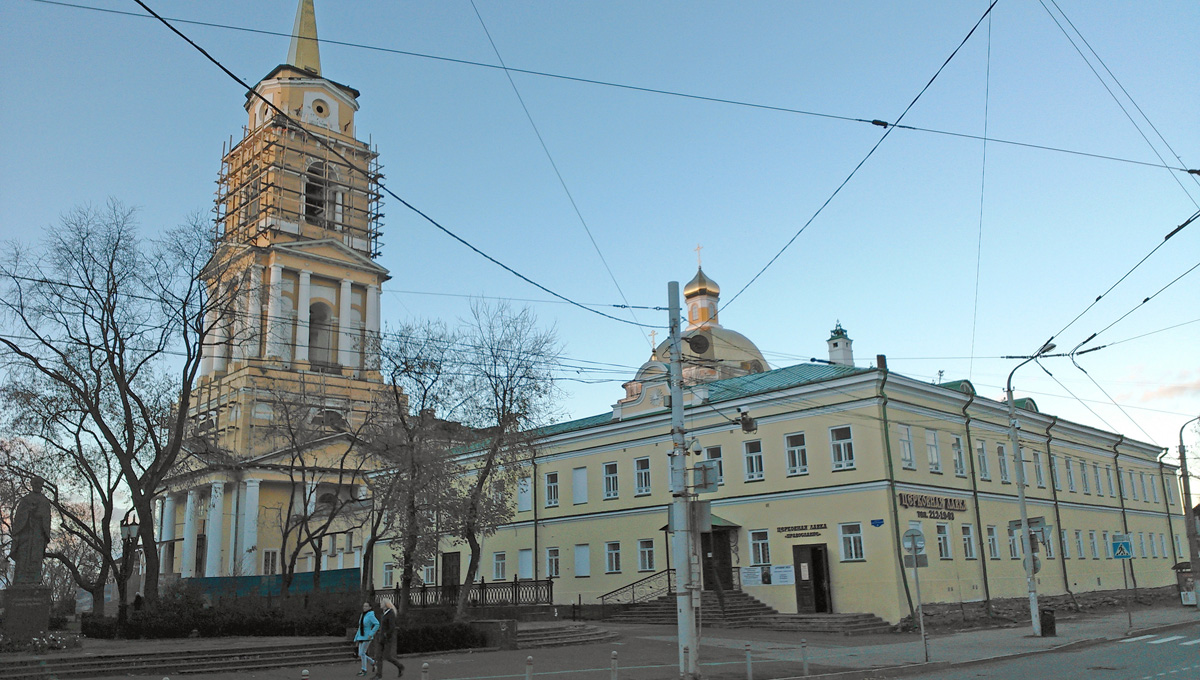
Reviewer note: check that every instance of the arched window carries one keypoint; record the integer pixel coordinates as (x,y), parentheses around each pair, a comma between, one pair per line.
(320,334)
(322,198)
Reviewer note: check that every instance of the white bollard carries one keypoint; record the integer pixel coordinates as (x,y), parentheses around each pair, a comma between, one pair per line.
(749,664)
(612,673)
(804,653)
(304,674)
(425,671)
(529,668)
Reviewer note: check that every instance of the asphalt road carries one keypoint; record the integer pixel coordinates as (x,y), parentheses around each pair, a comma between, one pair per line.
(1171,654)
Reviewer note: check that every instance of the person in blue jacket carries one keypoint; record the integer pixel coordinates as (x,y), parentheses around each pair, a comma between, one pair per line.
(367,625)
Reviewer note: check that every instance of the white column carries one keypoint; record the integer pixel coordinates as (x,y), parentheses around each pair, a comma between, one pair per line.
(207,350)
(371,362)
(220,348)
(302,304)
(232,554)
(166,533)
(275,323)
(345,334)
(250,559)
(253,311)
(187,569)
(215,529)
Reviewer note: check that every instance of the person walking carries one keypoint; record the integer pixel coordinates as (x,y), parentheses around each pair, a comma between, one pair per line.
(387,640)
(367,625)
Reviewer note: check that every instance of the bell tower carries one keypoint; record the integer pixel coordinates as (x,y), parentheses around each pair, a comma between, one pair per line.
(298,206)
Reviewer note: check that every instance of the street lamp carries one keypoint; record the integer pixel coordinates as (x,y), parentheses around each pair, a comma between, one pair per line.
(129,538)
(1189,518)
(1020,463)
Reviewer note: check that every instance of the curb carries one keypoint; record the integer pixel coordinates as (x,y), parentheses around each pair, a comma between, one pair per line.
(1165,626)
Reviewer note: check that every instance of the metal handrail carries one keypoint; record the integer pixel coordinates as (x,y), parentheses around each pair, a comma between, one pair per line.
(641,590)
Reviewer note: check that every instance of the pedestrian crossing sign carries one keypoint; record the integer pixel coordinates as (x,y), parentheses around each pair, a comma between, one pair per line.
(1122,547)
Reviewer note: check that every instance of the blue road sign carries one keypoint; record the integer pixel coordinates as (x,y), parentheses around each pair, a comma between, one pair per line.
(1122,547)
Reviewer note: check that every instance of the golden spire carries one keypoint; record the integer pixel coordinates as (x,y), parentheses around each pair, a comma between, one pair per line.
(305,52)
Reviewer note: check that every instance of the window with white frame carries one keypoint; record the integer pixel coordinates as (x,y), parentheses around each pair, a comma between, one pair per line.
(1132,486)
(1096,478)
(1154,488)
(612,557)
(1112,491)
(1024,463)
(1079,544)
(993,543)
(499,566)
(908,460)
(1048,541)
(841,447)
(1092,543)
(754,460)
(1002,461)
(1039,474)
(760,547)
(646,554)
(968,539)
(429,574)
(1142,477)
(524,494)
(1162,544)
(611,489)
(714,453)
(1070,476)
(960,460)
(931,448)
(1107,545)
(389,573)
(945,550)
(1014,545)
(641,476)
(1153,547)
(1178,547)
(985,472)
(1083,477)
(1066,545)
(1054,478)
(552,562)
(579,486)
(1171,492)
(551,489)
(852,543)
(582,560)
(797,454)
(270,565)
(1142,545)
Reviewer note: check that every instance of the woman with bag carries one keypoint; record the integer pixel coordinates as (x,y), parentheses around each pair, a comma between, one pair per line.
(387,640)
(367,625)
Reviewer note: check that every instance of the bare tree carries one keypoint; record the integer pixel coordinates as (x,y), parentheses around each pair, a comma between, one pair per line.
(507,367)
(111,326)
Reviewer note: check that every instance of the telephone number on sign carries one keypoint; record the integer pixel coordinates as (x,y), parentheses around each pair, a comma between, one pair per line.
(935,514)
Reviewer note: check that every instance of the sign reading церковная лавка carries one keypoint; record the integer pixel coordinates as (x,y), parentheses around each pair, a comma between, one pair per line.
(933,507)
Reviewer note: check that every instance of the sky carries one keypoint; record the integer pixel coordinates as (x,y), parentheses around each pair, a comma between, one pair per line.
(942,252)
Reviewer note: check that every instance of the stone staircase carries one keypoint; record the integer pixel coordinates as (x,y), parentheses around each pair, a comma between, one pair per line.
(845,624)
(739,609)
(560,635)
(178,662)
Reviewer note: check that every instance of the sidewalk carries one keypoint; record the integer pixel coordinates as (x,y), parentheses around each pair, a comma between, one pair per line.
(649,652)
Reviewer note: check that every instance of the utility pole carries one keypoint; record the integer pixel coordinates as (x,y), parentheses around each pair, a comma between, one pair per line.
(1188,518)
(682,545)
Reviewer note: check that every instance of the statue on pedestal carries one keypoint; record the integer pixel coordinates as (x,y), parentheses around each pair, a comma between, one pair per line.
(30,536)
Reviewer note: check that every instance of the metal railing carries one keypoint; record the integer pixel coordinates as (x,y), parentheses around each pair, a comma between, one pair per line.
(516,592)
(649,588)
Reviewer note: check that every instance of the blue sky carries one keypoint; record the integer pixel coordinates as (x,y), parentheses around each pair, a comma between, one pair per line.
(102,105)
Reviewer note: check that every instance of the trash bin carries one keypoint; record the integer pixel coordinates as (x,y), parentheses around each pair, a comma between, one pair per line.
(1046,616)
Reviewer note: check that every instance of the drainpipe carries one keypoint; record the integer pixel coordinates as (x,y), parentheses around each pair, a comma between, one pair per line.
(1057,513)
(970,453)
(533,479)
(881,363)
(1124,517)
(1162,475)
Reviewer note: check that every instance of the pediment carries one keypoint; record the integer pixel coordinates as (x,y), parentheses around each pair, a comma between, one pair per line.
(332,251)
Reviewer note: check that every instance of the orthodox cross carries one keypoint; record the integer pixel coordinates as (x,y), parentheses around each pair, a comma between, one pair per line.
(653,335)
(698,249)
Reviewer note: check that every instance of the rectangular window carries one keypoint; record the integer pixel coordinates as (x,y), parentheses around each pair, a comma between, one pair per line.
(1154,488)
(641,476)
(551,489)
(714,453)
(993,543)
(1083,477)
(1142,477)
(552,563)
(754,460)
(908,460)
(760,547)
(270,562)
(1171,492)
(1178,548)
(1002,461)
(1162,544)
(583,560)
(1153,547)
(981,453)
(579,484)
(1107,545)
(1092,543)
(499,566)
(389,573)
(1142,545)
(797,454)
(852,543)
(968,539)
(1014,545)
(1112,492)
(1066,546)
(612,557)
(1048,541)
(1024,463)
(931,447)
(525,563)
(916,524)
(1079,543)
(945,550)
(611,489)
(524,494)
(960,460)
(646,554)
(1038,474)
(429,574)
(1070,477)
(1132,486)
(1096,477)
(1054,478)
(842,447)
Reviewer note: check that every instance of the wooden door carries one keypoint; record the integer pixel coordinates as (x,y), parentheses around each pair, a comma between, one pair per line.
(451,564)
(716,560)
(811,563)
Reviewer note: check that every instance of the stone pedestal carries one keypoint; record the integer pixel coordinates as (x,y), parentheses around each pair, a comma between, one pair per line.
(26,611)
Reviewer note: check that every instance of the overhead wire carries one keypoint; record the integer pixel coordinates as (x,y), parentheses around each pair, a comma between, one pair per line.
(887,131)
(328,147)
(987,91)
(624,86)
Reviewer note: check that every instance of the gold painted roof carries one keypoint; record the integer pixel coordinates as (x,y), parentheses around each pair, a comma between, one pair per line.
(701,285)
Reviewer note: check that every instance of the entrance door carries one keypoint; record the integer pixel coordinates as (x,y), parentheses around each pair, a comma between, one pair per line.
(811,563)
(451,563)
(717,560)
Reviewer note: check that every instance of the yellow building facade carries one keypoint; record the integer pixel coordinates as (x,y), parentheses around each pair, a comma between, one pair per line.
(811,506)
(290,370)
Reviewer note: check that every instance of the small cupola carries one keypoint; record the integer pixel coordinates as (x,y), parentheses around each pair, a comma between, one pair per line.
(841,347)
